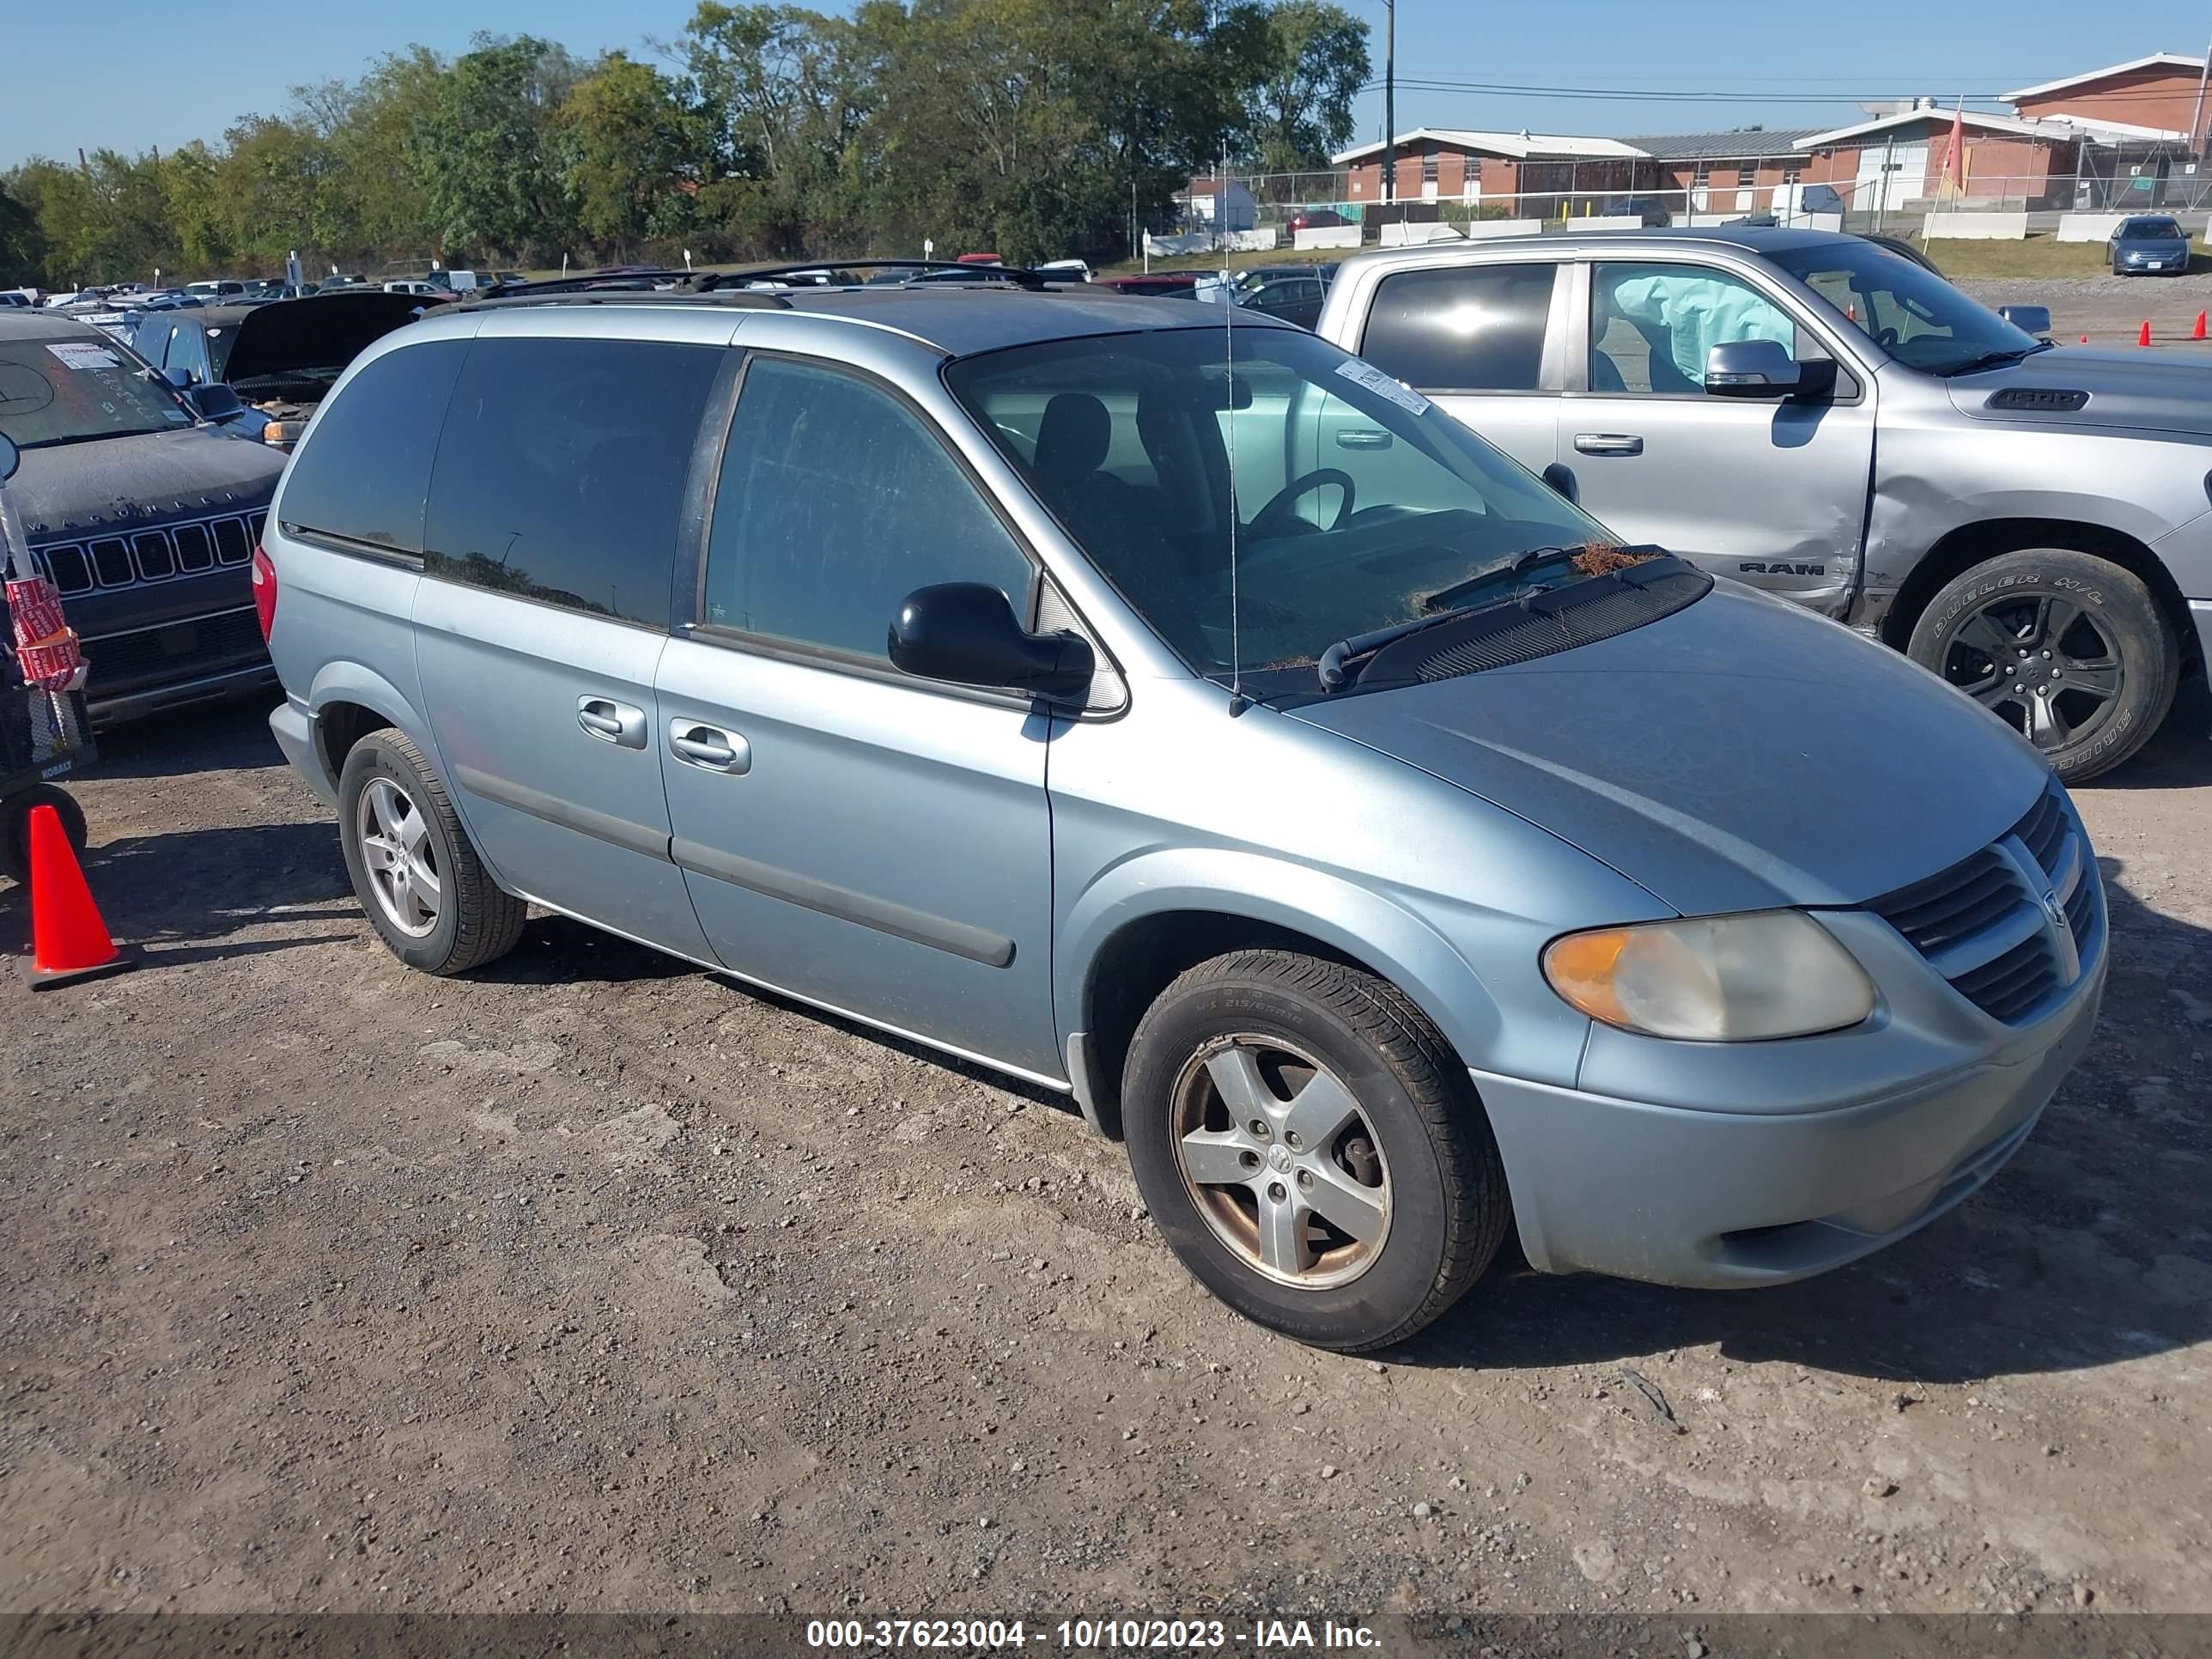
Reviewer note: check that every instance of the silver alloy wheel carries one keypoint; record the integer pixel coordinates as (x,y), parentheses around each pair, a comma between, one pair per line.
(1281,1161)
(397,852)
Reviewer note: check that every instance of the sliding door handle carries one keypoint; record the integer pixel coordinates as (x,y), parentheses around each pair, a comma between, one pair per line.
(709,747)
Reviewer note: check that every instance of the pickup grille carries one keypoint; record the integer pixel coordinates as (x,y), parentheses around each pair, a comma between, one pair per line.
(1982,925)
(107,564)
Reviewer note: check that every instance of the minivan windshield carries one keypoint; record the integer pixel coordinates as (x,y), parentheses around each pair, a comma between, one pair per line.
(1355,503)
(72,388)
(1909,312)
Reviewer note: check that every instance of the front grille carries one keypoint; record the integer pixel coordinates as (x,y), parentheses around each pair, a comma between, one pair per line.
(106,563)
(121,663)
(1982,925)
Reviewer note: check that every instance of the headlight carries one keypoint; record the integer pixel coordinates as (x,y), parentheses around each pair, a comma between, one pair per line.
(1721,979)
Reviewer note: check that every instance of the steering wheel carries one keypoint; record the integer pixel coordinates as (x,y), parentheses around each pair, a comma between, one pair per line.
(1263,521)
(1885,337)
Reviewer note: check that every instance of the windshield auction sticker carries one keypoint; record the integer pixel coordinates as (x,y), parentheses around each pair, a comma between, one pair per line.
(1376,381)
(77,354)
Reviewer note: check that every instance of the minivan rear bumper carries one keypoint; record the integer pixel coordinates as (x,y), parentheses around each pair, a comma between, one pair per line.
(294,728)
(1716,1200)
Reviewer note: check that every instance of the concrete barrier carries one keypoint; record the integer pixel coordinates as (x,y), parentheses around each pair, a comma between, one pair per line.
(1410,235)
(1326,236)
(1481,229)
(1975,227)
(2088,226)
(1607,222)
(1255,242)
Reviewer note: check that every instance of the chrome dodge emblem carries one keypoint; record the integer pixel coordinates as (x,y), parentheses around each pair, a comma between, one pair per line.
(2056,911)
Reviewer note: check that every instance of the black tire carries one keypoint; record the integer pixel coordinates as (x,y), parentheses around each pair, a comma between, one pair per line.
(475,922)
(2122,615)
(15,825)
(1448,1205)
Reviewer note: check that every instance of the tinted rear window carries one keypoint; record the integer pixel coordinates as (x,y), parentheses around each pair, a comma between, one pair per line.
(562,470)
(1472,328)
(364,470)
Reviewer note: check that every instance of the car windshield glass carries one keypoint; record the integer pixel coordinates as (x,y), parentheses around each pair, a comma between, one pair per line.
(68,388)
(2150,230)
(1356,502)
(1911,313)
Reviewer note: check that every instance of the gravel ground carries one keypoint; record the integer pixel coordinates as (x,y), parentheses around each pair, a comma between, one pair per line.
(2108,309)
(594,1284)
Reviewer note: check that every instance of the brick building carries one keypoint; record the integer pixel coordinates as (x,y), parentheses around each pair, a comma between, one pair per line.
(2159,97)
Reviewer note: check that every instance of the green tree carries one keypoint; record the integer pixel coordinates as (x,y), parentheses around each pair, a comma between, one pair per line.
(1310,58)
(630,145)
(490,151)
(22,244)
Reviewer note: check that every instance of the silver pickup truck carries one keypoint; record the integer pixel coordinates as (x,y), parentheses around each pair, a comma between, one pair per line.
(1805,412)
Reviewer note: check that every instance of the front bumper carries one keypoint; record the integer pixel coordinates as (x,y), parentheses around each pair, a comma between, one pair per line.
(159,699)
(1727,1200)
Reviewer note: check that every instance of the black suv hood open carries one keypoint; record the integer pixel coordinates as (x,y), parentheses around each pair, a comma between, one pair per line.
(324,331)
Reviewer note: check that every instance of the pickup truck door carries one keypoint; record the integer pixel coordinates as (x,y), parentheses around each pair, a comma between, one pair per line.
(1485,341)
(1770,493)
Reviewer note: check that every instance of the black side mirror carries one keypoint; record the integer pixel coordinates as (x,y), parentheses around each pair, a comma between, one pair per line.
(1751,368)
(214,401)
(2028,319)
(1561,477)
(966,632)
(9,457)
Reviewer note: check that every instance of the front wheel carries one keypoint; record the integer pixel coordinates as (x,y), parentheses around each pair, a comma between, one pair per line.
(1311,1149)
(2069,649)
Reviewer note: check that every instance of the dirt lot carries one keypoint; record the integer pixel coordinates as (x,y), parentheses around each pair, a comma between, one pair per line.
(594,1283)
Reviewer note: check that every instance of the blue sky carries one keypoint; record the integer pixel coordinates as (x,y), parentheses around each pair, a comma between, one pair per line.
(190,73)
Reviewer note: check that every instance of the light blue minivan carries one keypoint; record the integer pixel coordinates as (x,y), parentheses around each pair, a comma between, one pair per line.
(1172,710)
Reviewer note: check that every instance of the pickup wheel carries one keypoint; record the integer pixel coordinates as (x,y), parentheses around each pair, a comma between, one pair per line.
(1311,1149)
(421,883)
(2067,648)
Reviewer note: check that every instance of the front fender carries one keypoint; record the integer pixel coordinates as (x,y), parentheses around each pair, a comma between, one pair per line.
(1360,921)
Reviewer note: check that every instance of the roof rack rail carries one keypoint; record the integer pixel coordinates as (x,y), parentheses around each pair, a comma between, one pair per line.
(763,283)
(1015,275)
(734,296)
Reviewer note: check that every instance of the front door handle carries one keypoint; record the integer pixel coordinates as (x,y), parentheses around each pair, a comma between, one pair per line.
(1609,443)
(1362,437)
(618,723)
(709,747)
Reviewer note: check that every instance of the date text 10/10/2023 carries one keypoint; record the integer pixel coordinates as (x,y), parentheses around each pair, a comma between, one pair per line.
(1087,1634)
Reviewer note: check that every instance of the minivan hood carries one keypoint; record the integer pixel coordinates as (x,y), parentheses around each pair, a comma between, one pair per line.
(321,331)
(1739,755)
(2145,391)
(89,488)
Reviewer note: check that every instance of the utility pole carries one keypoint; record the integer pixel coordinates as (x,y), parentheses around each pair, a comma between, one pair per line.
(2196,120)
(1389,100)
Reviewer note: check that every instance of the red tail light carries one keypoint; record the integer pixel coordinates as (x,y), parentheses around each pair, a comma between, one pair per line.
(264,592)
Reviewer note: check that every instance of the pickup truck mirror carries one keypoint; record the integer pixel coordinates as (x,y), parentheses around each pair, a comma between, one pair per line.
(1561,477)
(1753,368)
(2028,319)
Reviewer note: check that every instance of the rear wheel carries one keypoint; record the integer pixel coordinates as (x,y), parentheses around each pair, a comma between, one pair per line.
(1311,1149)
(2067,648)
(419,881)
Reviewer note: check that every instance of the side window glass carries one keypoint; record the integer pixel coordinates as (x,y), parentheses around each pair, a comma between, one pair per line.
(363,470)
(151,342)
(836,502)
(1651,325)
(561,473)
(1465,328)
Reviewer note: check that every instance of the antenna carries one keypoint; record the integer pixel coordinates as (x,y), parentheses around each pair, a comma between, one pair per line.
(1235,644)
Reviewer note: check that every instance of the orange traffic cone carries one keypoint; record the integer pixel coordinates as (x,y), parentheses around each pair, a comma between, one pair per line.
(69,940)
(2142,338)
(2197,332)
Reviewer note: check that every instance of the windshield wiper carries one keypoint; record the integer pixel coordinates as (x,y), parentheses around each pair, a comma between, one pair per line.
(1997,359)
(1334,673)
(94,437)
(1526,559)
